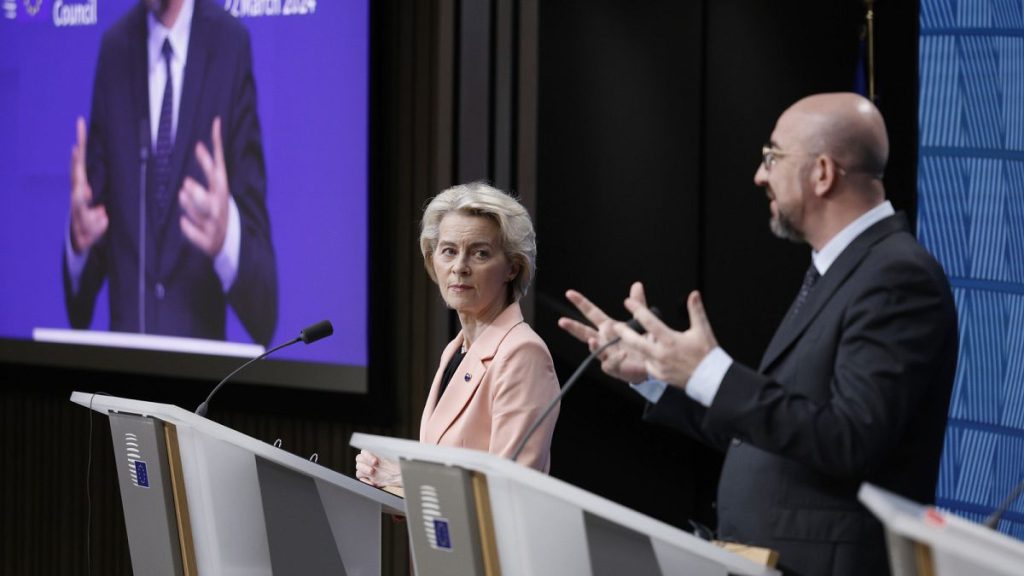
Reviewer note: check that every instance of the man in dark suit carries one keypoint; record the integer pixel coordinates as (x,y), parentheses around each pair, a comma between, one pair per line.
(174,98)
(854,386)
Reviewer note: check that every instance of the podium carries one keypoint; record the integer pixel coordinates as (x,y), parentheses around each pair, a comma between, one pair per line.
(201,498)
(470,512)
(925,541)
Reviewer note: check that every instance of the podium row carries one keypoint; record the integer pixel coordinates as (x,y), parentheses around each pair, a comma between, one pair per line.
(201,498)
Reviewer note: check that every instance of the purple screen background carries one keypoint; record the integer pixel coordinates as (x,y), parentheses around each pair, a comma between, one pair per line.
(312,83)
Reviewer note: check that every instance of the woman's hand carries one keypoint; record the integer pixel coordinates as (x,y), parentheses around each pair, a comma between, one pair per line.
(376,471)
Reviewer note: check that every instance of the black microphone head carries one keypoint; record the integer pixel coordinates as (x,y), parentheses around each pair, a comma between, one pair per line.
(321,329)
(635,324)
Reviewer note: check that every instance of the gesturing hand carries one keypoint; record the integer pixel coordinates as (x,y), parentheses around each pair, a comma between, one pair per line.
(88,223)
(616,361)
(204,219)
(669,355)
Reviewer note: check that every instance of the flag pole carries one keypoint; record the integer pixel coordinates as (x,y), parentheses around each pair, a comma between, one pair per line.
(869,19)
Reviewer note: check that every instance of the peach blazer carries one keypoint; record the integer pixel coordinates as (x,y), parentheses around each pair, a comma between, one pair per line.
(504,382)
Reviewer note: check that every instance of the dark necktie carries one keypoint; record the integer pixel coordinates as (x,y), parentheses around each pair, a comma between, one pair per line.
(162,156)
(810,278)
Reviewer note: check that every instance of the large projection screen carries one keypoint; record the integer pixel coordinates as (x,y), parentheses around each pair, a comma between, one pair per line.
(311,67)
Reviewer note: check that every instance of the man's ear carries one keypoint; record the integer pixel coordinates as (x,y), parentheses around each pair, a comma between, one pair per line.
(823,175)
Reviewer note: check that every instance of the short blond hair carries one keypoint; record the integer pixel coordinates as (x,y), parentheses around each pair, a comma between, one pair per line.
(518,240)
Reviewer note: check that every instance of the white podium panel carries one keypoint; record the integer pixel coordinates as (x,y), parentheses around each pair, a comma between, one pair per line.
(243,506)
(543,526)
(924,541)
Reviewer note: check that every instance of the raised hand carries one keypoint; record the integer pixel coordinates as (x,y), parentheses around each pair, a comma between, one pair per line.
(204,219)
(616,361)
(669,355)
(88,223)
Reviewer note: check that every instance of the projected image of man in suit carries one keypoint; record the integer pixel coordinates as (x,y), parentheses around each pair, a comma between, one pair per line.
(855,384)
(174,102)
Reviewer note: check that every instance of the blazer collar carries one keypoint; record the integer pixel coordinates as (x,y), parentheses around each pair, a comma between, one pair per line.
(848,261)
(439,416)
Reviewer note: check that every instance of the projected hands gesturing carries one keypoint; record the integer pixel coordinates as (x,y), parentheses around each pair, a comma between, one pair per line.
(204,219)
(88,223)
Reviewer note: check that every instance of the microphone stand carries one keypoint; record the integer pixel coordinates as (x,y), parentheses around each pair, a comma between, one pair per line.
(572,382)
(201,410)
(309,334)
(143,160)
(993,520)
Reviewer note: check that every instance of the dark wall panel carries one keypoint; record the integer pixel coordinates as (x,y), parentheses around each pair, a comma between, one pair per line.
(762,57)
(620,115)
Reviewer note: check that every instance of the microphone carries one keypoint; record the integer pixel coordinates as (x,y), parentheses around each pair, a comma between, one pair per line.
(633,324)
(308,335)
(993,520)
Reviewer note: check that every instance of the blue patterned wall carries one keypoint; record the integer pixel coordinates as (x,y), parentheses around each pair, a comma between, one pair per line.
(971,216)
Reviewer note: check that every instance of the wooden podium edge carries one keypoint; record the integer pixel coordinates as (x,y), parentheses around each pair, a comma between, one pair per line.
(181,515)
(762,556)
(485,523)
(924,559)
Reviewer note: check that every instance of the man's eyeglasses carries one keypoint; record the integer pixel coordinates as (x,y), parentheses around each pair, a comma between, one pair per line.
(770,156)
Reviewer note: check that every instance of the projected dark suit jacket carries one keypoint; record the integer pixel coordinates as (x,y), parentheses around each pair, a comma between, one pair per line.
(855,389)
(184,296)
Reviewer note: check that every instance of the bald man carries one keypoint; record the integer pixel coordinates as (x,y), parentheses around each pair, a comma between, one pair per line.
(855,384)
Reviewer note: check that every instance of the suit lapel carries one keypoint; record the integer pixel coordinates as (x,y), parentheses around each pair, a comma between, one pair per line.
(137,65)
(439,415)
(791,328)
(190,130)
(435,386)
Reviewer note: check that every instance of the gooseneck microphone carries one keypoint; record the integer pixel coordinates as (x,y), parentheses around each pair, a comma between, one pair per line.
(633,324)
(993,520)
(308,335)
